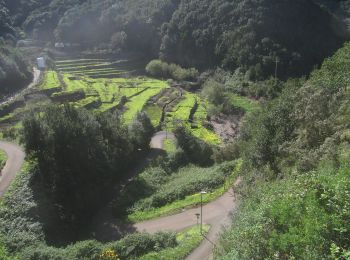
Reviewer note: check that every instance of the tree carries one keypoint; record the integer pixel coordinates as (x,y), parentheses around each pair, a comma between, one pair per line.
(79,155)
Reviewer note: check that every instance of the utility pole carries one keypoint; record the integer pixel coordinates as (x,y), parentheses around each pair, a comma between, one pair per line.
(202,192)
(276,68)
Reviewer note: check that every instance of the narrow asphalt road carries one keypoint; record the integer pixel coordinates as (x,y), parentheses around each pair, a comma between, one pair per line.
(15,159)
(157,141)
(35,81)
(217,213)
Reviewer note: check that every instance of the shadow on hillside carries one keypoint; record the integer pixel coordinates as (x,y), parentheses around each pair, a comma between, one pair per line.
(107,224)
(103,226)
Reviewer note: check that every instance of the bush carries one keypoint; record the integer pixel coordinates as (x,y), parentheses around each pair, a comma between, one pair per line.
(162,69)
(138,244)
(197,151)
(302,218)
(186,181)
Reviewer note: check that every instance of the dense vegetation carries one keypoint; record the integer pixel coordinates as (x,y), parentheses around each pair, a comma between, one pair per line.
(295,149)
(246,34)
(296,153)
(169,182)
(15,72)
(80,156)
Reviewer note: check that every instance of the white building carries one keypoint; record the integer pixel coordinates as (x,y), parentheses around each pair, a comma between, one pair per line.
(41,63)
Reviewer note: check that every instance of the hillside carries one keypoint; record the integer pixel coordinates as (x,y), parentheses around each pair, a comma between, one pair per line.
(148,109)
(244,34)
(296,153)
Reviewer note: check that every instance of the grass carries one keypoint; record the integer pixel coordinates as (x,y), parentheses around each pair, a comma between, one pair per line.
(137,103)
(86,102)
(170,145)
(50,80)
(154,112)
(188,240)
(3,159)
(108,92)
(244,103)
(188,202)
(183,108)
(182,112)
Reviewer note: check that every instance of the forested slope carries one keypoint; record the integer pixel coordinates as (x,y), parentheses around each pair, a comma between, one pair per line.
(296,152)
(245,34)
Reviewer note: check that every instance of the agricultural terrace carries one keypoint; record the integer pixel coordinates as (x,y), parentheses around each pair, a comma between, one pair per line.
(192,113)
(101,85)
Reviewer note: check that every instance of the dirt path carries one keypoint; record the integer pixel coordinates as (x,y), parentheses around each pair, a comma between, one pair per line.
(217,214)
(13,165)
(35,81)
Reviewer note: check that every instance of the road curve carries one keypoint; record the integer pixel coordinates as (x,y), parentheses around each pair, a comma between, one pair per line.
(157,141)
(217,214)
(15,159)
(14,96)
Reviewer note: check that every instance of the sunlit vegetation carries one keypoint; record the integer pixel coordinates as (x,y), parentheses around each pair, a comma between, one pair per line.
(156,192)
(102,93)
(154,112)
(170,145)
(3,159)
(296,153)
(20,213)
(158,68)
(191,105)
(50,80)
(244,103)
(187,241)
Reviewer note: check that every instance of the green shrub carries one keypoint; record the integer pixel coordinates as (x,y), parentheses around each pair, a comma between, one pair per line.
(134,245)
(162,69)
(3,159)
(300,218)
(186,181)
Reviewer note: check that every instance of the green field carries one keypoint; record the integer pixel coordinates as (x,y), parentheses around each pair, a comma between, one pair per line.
(244,103)
(103,85)
(181,115)
(50,80)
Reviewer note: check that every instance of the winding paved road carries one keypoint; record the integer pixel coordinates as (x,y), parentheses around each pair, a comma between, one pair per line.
(15,159)
(217,213)
(35,81)
(157,141)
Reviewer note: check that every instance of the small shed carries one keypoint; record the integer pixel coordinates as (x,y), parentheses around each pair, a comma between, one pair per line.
(59,45)
(41,63)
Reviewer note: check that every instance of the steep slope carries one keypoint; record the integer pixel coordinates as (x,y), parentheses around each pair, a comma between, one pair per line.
(245,34)
(251,34)
(296,151)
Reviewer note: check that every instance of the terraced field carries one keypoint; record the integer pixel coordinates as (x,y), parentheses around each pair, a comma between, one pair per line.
(192,113)
(103,85)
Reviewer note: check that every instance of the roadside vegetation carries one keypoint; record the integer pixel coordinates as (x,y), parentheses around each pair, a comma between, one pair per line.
(3,159)
(187,241)
(25,210)
(161,191)
(230,79)
(296,164)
